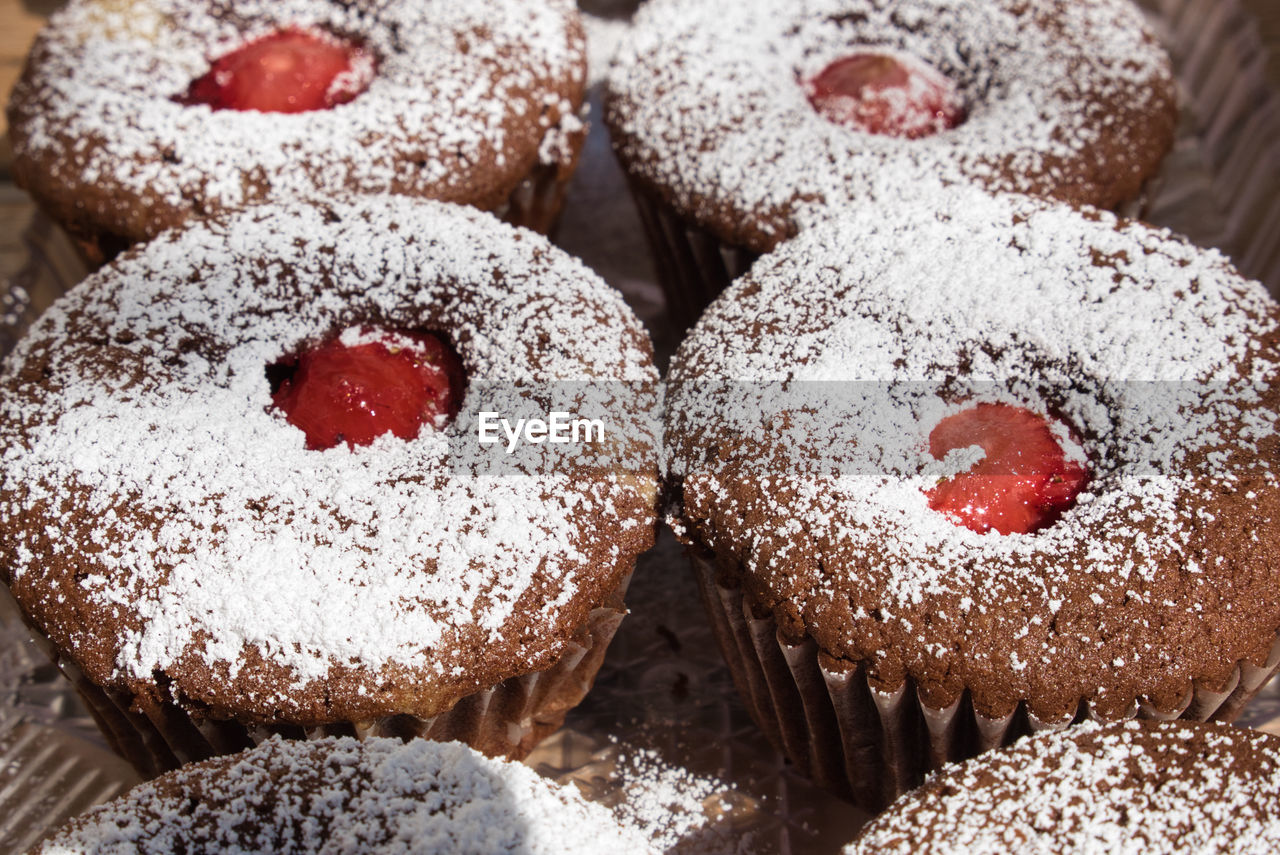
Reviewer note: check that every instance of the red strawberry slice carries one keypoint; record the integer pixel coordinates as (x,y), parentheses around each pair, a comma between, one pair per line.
(355,393)
(1024,483)
(289,71)
(882,94)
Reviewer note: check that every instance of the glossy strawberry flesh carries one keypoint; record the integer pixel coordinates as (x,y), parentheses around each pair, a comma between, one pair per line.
(356,393)
(288,71)
(1023,483)
(881,94)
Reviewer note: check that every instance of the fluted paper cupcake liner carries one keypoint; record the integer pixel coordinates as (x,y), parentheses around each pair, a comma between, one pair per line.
(693,265)
(506,720)
(871,746)
(536,202)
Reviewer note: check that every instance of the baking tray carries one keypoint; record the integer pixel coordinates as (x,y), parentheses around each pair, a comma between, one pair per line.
(663,727)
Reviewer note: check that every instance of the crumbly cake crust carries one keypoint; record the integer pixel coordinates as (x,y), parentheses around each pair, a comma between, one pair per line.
(170,532)
(466,100)
(380,796)
(1066,99)
(1130,787)
(798,416)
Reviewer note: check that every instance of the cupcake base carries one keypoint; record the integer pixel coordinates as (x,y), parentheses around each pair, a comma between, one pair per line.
(870,746)
(535,204)
(507,720)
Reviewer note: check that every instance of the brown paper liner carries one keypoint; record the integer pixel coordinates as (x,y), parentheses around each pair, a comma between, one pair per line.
(506,720)
(693,265)
(536,202)
(871,746)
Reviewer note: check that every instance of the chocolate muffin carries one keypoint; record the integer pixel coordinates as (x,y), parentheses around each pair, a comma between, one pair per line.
(246,488)
(1136,786)
(740,123)
(959,471)
(375,797)
(131,118)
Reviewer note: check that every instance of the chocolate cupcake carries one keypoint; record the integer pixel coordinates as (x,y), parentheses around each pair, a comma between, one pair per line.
(740,123)
(375,797)
(959,471)
(133,118)
(247,487)
(1130,787)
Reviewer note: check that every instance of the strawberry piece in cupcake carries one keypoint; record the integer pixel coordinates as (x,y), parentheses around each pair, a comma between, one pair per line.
(1024,481)
(226,578)
(355,388)
(126,125)
(961,468)
(882,93)
(740,123)
(290,71)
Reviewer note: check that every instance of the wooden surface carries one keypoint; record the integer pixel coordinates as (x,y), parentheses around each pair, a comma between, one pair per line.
(19,21)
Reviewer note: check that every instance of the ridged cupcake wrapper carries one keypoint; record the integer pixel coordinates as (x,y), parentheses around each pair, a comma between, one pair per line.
(693,265)
(1139,207)
(871,746)
(536,202)
(506,720)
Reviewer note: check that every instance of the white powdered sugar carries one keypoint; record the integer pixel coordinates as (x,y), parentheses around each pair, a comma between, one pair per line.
(669,803)
(378,797)
(707,102)
(799,413)
(1129,788)
(454,109)
(202,521)
(604,35)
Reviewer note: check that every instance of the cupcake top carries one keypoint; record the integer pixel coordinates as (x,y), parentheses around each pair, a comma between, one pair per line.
(377,797)
(826,418)
(449,101)
(175,534)
(725,110)
(1127,788)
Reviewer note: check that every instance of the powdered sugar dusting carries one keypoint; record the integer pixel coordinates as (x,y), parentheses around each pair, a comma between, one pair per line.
(800,408)
(668,802)
(454,110)
(604,35)
(339,795)
(1126,788)
(707,104)
(215,532)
